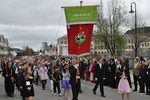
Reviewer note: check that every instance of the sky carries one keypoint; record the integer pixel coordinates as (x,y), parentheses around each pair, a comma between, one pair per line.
(31,22)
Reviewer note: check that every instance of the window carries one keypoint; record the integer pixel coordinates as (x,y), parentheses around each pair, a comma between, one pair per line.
(142,45)
(128,40)
(102,47)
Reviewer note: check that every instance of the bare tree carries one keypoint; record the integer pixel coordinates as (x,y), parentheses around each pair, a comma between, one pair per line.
(28,51)
(108,26)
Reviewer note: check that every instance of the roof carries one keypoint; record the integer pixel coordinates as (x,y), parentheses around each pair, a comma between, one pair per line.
(63,37)
(146,31)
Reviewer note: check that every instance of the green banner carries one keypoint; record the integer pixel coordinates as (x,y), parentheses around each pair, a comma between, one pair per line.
(81,14)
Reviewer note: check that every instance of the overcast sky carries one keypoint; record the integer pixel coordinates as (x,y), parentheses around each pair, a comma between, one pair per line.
(30,22)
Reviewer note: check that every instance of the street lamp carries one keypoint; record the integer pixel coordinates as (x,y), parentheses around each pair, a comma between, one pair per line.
(136,45)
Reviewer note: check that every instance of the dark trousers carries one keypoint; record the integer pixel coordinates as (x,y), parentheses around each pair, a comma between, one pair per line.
(23,98)
(129,80)
(142,84)
(80,90)
(99,82)
(16,80)
(43,84)
(136,80)
(113,82)
(75,89)
(21,93)
(57,85)
(147,85)
(37,80)
(117,80)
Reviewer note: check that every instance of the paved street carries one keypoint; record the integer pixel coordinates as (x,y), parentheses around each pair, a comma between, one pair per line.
(111,94)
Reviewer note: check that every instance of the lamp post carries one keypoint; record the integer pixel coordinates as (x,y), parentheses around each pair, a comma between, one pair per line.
(136,40)
(81,3)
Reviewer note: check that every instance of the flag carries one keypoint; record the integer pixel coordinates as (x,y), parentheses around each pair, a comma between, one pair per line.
(80,21)
(81,14)
(79,38)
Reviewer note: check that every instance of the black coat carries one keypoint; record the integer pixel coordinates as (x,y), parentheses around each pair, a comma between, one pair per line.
(147,72)
(25,84)
(57,76)
(8,73)
(143,73)
(99,73)
(119,72)
(72,71)
(113,69)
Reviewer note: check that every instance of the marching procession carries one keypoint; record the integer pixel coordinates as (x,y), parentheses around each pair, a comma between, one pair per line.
(93,46)
(65,75)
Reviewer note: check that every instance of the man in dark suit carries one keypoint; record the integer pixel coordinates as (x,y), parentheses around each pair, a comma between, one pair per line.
(99,77)
(75,78)
(148,78)
(113,72)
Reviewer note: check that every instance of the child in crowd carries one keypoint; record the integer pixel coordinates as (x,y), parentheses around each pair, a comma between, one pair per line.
(57,77)
(27,83)
(124,86)
(65,81)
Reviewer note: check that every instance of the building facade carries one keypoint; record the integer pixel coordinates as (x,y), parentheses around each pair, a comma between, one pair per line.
(62,44)
(49,50)
(4,45)
(143,41)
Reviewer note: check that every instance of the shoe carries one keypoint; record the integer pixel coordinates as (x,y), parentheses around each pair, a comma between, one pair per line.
(80,91)
(147,93)
(55,94)
(134,90)
(103,96)
(141,92)
(59,94)
(10,94)
(94,92)
(52,92)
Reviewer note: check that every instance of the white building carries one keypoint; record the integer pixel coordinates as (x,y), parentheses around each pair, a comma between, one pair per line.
(62,44)
(49,50)
(4,45)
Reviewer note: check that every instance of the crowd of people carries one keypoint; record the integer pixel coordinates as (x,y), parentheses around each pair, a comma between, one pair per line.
(65,74)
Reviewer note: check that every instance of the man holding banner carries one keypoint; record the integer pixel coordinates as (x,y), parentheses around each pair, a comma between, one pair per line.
(75,78)
(80,21)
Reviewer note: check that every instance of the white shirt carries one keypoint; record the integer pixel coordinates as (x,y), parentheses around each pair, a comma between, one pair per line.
(43,74)
(119,66)
(76,65)
(100,65)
